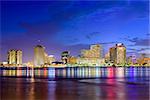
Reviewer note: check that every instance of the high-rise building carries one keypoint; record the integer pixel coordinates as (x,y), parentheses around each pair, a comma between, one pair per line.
(65,56)
(19,56)
(15,57)
(118,54)
(91,61)
(72,60)
(95,51)
(130,60)
(107,57)
(49,59)
(39,56)
(144,59)
(92,57)
(121,54)
(112,54)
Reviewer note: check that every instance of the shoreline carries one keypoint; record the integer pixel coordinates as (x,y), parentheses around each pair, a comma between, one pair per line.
(17,68)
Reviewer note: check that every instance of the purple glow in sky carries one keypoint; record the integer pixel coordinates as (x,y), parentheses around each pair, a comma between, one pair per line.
(73,25)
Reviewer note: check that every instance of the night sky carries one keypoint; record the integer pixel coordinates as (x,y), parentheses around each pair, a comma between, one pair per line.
(73,26)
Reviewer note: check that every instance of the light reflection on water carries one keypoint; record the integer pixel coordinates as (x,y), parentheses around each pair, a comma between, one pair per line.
(93,84)
(78,72)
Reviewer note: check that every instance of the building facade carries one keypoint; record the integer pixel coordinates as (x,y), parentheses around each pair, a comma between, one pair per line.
(65,56)
(107,57)
(118,54)
(113,54)
(72,60)
(143,60)
(95,51)
(91,61)
(39,56)
(49,59)
(15,57)
(121,54)
(91,57)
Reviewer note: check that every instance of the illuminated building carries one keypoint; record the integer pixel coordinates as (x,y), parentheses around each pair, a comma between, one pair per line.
(112,54)
(144,60)
(91,57)
(29,64)
(15,57)
(118,54)
(121,54)
(65,56)
(58,64)
(19,56)
(72,60)
(107,57)
(130,60)
(39,56)
(91,61)
(49,59)
(95,51)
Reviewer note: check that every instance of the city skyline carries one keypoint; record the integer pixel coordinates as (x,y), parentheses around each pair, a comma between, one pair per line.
(75,50)
(64,26)
(87,57)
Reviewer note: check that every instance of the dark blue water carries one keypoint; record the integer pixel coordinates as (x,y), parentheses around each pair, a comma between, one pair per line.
(90,83)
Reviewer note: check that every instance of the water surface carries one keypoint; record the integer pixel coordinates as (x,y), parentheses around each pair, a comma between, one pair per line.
(76,84)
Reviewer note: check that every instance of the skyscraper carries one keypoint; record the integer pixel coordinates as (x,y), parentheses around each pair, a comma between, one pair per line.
(95,51)
(65,56)
(121,54)
(118,54)
(92,57)
(107,57)
(39,56)
(15,57)
(113,54)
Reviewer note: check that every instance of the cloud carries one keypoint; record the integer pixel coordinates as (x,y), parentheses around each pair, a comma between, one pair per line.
(106,43)
(136,9)
(139,41)
(92,35)
(73,40)
(40,28)
(143,49)
(131,52)
(131,49)
(62,12)
(148,34)
(59,14)
(139,51)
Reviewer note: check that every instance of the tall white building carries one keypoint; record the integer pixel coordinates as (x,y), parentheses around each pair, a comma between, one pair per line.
(39,56)
(15,57)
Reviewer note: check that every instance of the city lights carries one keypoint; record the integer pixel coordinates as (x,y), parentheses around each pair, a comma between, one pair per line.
(116,56)
(74,50)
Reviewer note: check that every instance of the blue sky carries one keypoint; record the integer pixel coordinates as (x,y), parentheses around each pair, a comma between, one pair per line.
(73,26)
